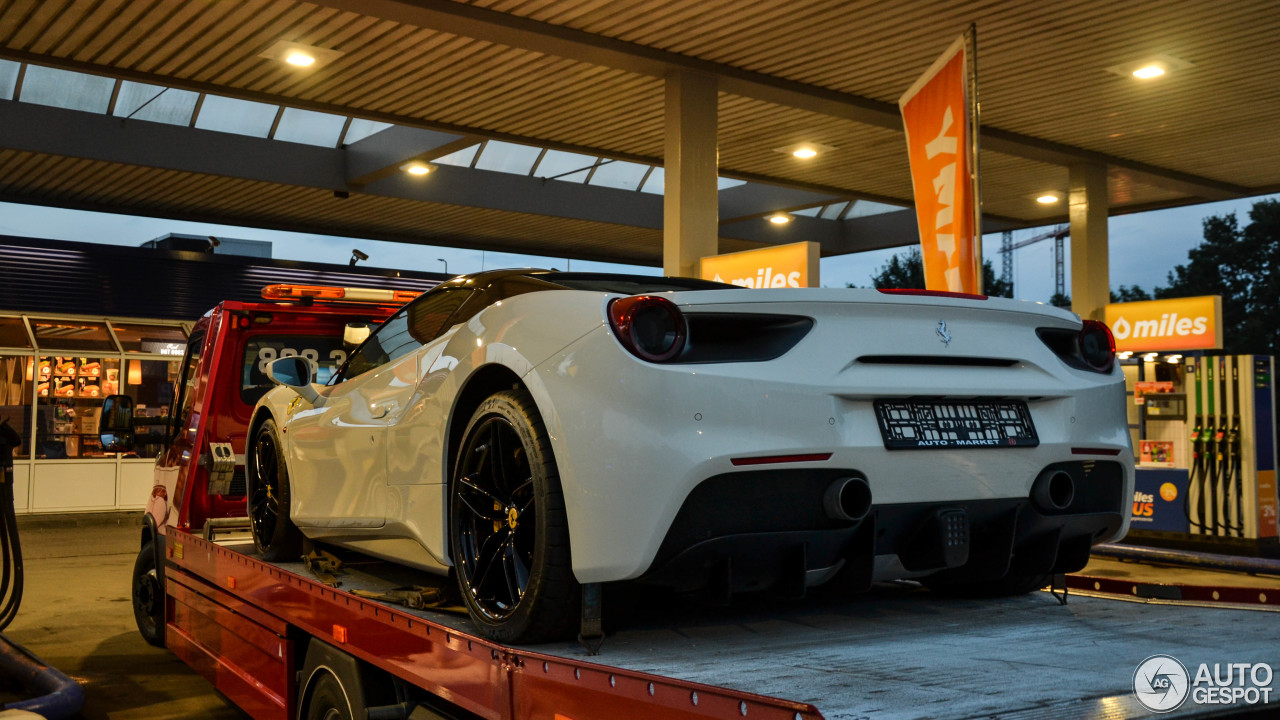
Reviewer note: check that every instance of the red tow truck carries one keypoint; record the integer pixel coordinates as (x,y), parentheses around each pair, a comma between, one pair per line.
(315,641)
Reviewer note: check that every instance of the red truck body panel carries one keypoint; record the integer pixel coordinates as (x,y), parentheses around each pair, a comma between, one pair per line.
(231,612)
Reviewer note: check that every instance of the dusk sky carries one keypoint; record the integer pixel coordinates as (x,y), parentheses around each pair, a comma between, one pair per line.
(1144,247)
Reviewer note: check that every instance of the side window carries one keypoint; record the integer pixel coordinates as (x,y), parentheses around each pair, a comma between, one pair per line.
(429,316)
(371,354)
(184,398)
(409,329)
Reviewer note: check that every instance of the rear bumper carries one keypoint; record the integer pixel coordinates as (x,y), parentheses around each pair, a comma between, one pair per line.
(743,532)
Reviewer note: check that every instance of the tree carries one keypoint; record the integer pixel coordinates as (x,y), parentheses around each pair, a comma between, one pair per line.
(1243,266)
(905,271)
(1131,293)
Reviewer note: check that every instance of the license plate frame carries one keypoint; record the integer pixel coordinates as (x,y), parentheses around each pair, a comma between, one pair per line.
(950,424)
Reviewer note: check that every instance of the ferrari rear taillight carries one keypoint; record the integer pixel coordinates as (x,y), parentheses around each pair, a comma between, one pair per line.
(1097,345)
(652,328)
(1091,348)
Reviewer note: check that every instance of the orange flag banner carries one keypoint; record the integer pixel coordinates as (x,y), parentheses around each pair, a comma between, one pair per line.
(939,113)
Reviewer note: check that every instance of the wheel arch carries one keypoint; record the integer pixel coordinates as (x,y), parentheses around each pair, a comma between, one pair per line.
(321,659)
(149,530)
(363,685)
(260,415)
(151,534)
(485,381)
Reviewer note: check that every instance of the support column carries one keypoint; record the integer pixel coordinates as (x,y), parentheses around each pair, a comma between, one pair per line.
(1090,272)
(690,213)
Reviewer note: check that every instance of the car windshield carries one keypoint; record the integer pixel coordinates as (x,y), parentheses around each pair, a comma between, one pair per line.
(629,284)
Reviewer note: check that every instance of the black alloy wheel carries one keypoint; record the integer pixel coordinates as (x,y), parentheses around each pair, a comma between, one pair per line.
(273,532)
(507,523)
(148,596)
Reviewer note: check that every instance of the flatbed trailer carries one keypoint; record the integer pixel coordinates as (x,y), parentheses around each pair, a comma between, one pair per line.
(263,633)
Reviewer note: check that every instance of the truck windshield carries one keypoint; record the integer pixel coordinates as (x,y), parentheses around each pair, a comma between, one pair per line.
(325,353)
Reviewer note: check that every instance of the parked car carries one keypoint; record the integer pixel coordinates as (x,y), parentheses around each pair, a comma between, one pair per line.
(533,431)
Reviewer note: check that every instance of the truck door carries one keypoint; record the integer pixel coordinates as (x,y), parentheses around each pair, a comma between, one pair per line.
(179,442)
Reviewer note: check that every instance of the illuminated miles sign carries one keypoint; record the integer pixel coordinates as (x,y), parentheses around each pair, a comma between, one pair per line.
(783,266)
(1193,323)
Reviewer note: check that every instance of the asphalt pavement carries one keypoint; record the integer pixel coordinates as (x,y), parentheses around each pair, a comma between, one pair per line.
(77,616)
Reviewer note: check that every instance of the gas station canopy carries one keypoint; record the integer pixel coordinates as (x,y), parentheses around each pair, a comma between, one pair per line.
(542,122)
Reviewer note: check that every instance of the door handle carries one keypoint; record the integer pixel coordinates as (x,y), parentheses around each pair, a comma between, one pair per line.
(377,412)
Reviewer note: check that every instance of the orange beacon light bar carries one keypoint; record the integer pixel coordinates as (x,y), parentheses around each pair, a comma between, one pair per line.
(338,294)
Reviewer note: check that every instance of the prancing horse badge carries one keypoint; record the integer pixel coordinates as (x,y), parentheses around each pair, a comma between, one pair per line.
(942,333)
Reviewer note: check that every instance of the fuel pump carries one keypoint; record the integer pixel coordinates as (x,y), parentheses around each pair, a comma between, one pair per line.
(1209,518)
(1199,436)
(1233,488)
(1231,482)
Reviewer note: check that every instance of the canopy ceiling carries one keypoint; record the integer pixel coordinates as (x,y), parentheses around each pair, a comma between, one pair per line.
(576,87)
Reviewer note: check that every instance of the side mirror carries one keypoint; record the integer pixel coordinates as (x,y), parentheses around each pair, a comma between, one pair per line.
(294,372)
(115,424)
(354,334)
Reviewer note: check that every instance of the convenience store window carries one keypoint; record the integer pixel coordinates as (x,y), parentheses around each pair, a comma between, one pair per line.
(151,384)
(151,339)
(16,385)
(69,394)
(13,333)
(78,365)
(55,372)
(73,335)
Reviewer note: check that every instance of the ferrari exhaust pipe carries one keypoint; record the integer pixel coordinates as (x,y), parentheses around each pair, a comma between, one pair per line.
(848,498)
(1053,490)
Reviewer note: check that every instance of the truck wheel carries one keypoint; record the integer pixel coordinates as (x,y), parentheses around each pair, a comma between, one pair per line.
(274,534)
(507,525)
(328,700)
(1007,586)
(148,596)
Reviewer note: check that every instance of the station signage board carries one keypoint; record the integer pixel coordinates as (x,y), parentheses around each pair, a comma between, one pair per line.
(783,266)
(1173,324)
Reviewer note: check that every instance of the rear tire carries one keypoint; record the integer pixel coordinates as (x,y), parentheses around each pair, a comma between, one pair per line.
(148,596)
(328,700)
(267,480)
(1007,586)
(507,526)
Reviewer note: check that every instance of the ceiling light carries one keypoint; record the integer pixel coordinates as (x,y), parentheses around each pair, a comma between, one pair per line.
(804,150)
(780,219)
(1047,199)
(1150,67)
(298,58)
(416,168)
(1148,72)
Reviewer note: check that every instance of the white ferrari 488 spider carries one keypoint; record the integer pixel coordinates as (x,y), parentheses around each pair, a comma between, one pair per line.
(536,431)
